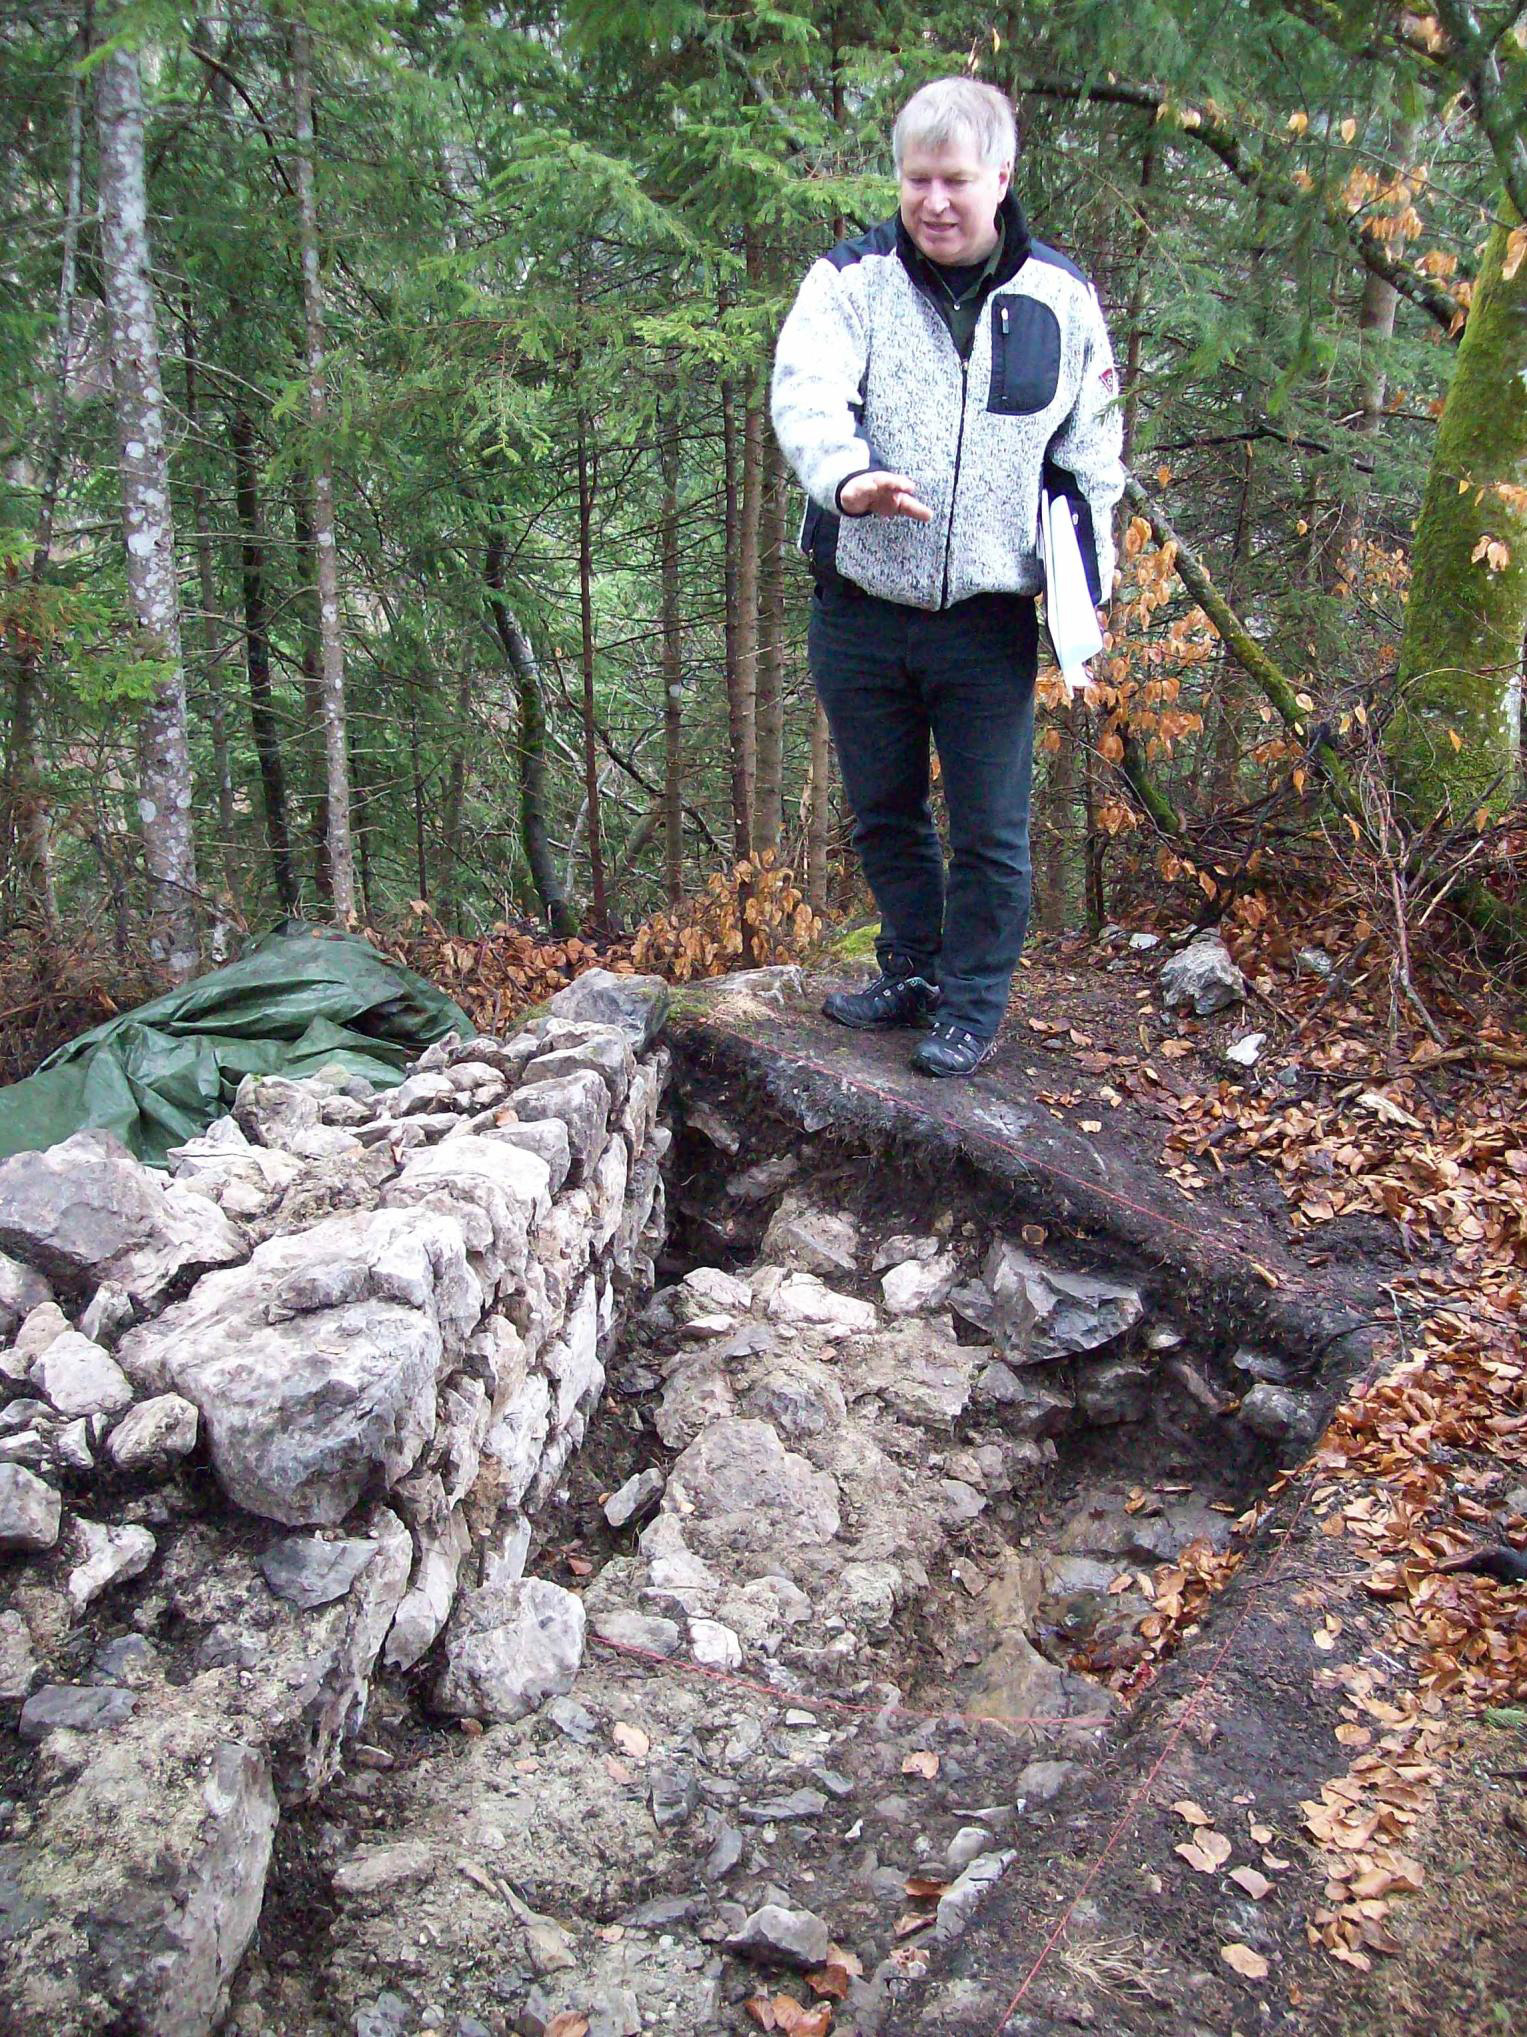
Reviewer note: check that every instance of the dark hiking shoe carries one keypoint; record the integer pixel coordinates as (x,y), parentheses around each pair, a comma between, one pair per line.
(951,1049)
(890,1001)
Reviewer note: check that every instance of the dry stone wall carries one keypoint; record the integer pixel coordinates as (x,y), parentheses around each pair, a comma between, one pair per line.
(273,1425)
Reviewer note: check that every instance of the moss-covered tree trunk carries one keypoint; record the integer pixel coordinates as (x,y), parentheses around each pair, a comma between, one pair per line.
(1450,741)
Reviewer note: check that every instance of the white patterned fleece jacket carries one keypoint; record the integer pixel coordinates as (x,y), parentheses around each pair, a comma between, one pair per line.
(867,377)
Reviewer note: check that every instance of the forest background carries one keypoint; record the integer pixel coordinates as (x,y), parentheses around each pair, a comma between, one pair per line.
(392,532)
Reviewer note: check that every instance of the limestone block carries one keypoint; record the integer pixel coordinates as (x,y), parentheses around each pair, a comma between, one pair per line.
(509,1648)
(314,1367)
(84,1212)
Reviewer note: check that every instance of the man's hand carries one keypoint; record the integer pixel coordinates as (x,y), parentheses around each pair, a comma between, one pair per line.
(883,495)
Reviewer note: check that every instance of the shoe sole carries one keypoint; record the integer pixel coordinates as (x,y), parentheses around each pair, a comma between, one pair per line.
(948,1074)
(892,1025)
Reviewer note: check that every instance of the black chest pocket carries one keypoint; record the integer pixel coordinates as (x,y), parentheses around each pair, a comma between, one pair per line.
(1025,356)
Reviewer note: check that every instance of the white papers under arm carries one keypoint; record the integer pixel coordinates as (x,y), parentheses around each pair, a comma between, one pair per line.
(1069,614)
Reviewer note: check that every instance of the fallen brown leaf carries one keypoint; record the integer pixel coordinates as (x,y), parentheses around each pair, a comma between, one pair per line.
(761,2009)
(924,1888)
(1208,1851)
(630,1740)
(1256,1885)
(830,1980)
(914,1920)
(1251,1965)
(1194,1813)
(921,1763)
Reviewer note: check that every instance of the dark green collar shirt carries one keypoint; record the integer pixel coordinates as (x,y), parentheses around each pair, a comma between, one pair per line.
(961,289)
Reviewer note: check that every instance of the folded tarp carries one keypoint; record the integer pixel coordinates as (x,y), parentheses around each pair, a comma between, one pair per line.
(292,1003)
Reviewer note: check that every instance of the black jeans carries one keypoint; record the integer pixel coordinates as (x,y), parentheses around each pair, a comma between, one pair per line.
(890,678)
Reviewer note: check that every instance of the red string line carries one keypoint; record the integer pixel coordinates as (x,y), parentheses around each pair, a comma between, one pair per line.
(1056,1721)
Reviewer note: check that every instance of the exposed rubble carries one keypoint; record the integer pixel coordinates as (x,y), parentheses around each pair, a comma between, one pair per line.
(268,1621)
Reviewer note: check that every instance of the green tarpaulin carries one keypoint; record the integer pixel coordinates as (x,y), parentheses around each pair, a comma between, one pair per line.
(291,1003)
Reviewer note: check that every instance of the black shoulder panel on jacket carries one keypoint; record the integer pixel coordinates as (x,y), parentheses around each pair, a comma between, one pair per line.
(880,240)
(1041,251)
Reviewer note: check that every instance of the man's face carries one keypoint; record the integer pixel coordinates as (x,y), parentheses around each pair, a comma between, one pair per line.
(949,201)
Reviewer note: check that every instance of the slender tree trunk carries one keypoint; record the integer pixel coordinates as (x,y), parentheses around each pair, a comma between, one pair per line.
(453,878)
(28,821)
(206,575)
(586,612)
(1375,330)
(315,760)
(769,711)
(1097,903)
(1468,604)
(521,660)
(1229,691)
(138,395)
(1134,317)
(750,510)
(738,707)
(818,811)
(262,717)
(336,752)
(421,850)
(1057,836)
(673,669)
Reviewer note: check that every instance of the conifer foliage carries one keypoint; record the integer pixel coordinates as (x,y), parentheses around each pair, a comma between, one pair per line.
(388,511)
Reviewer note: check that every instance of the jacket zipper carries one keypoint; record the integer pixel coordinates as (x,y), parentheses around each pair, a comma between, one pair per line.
(954,486)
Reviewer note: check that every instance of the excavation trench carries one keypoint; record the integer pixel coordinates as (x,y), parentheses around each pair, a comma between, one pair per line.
(886,1477)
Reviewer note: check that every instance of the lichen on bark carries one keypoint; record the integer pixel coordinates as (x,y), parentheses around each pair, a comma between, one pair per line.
(1449,742)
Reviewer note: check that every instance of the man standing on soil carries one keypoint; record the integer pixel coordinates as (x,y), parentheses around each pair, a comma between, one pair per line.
(928,375)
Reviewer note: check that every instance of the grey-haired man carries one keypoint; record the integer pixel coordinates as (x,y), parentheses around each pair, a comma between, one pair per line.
(929,375)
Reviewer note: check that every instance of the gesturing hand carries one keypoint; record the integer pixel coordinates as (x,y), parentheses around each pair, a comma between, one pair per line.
(883,495)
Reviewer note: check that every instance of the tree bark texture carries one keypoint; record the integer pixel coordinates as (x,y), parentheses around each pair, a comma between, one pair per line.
(206,576)
(1056,833)
(673,671)
(521,660)
(29,824)
(769,713)
(737,708)
(1375,330)
(165,801)
(341,864)
(1468,602)
(750,514)
(262,715)
(590,728)
(818,811)
(315,767)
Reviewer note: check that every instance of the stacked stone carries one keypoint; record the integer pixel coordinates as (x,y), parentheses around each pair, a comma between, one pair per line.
(382,1320)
